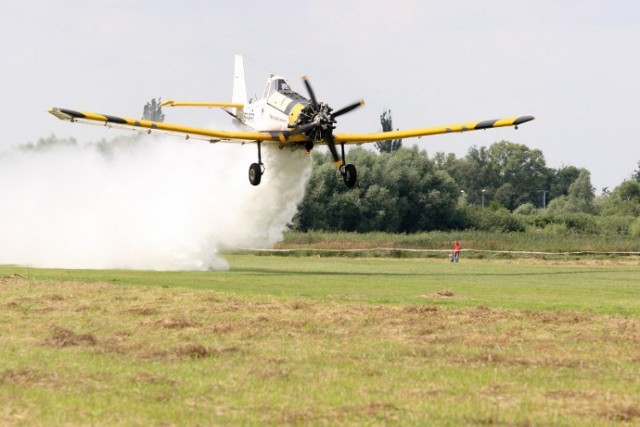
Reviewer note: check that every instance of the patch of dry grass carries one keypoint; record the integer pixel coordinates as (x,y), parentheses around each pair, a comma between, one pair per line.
(61,337)
(107,354)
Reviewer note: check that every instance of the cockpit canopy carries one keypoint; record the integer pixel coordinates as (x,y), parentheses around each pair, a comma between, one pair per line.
(277,84)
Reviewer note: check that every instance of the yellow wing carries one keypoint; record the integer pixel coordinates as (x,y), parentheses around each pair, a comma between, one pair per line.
(172,103)
(360,138)
(275,136)
(188,132)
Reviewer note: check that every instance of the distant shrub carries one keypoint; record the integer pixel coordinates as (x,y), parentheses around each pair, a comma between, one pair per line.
(580,223)
(615,225)
(555,229)
(525,209)
(511,223)
(541,219)
(634,228)
(496,220)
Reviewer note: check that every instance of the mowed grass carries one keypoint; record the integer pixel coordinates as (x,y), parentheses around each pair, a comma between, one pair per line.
(279,340)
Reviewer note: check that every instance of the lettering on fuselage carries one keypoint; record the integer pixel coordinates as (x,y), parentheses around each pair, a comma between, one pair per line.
(276,118)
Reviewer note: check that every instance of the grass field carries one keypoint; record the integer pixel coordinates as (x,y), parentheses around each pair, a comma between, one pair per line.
(484,242)
(309,340)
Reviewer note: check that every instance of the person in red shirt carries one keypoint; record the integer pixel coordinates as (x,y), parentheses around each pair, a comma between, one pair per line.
(456,252)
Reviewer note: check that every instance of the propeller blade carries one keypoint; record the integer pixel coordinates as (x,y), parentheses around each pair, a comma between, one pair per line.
(305,80)
(302,128)
(332,147)
(348,108)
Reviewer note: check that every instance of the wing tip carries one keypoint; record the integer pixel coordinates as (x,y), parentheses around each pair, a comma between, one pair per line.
(523,119)
(62,113)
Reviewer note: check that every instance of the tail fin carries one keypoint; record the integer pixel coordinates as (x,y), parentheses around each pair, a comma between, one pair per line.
(239,86)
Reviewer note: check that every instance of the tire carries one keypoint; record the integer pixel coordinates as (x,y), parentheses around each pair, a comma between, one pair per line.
(255,174)
(350,176)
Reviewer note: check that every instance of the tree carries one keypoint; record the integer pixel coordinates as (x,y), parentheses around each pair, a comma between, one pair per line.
(623,200)
(636,174)
(560,180)
(524,169)
(629,191)
(401,192)
(153,111)
(508,173)
(581,193)
(473,173)
(391,145)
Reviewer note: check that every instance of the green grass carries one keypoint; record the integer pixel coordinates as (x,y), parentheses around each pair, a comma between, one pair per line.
(603,287)
(294,340)
(533,241)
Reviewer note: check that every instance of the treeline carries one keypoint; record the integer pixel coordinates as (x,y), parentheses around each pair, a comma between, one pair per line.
(505,187)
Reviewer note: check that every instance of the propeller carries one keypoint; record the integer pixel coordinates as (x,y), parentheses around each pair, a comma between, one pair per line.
(317,120)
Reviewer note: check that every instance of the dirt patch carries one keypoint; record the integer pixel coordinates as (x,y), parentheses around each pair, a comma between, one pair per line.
(176,323)
(61,337)
(199,351)
(147,378)
(11,278)
(626,413)
(439,294)
(374,409)
(299,305)
(559,317)
(194,351)
(54,297)
(339,415)
(20,377)
(143,311)
(420,309)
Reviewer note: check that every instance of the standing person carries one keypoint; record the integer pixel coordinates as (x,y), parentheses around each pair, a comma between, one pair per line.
(456,252)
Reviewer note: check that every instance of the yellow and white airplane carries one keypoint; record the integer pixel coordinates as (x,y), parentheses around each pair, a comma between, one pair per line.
(282,117)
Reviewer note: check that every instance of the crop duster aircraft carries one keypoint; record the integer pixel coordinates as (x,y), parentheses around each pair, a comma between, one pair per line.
(281,117)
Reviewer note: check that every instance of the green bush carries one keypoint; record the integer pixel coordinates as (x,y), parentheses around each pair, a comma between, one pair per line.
(541,220)
(580,222)
(525,209)
(634,228)
(495,220)
(555,229)
(615,225)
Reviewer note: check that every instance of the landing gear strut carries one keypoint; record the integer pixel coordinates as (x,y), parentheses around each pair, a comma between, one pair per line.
(256,169)
(348,171)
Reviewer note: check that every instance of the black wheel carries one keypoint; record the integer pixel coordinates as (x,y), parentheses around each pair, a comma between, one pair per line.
(350,176)
(255,174)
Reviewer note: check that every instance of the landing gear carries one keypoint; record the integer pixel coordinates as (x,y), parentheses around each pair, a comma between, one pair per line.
(256,169)
(348,171)
(255,174)
(349,175)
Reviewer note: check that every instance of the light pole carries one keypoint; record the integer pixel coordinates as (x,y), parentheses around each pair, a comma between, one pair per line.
(483,190)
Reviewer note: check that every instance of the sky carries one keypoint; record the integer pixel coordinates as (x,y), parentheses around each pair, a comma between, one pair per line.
(574,65)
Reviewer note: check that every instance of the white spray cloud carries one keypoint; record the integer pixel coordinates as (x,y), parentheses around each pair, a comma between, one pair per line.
(149,203)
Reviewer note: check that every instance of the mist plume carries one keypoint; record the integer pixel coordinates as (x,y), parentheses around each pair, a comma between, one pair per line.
(143,203)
